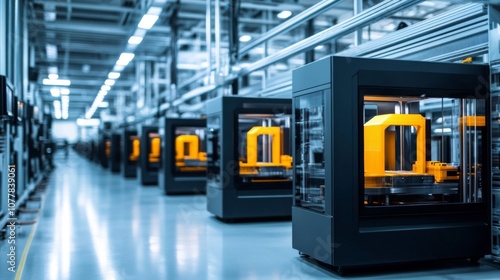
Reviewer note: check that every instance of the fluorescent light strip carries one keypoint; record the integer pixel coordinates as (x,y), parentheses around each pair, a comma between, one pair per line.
(114,75)
(135,40)
(147,21)
(156,11)
(118,68)
(88,122)
(55,92)
(126,56)
(105,87)
(49,82)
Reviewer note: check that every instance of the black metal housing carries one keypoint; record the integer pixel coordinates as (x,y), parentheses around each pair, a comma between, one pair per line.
(129,167)
(348,234)
(171,181)
(115,153)
(148,171)
(227,198)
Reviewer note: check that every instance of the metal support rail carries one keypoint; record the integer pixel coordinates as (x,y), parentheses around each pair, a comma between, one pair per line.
(368,16)
(293,22)
(364,18)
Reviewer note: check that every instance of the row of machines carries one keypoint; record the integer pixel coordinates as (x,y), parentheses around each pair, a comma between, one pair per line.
(376,161)
(239,156)
(26,146)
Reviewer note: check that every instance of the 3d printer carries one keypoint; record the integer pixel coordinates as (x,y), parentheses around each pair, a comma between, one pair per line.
(115,152)
(131,151)
(249,157)
(184,158)
(149,155)
(389,157)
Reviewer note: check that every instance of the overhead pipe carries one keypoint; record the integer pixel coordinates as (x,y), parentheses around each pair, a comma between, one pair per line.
(290,24)
(362,19)
(217,20)
(366,17)
(208,37)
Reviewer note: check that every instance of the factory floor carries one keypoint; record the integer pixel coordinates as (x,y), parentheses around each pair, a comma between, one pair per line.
(98,225)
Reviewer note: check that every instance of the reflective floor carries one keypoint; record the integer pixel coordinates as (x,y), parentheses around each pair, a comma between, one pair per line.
(98,225)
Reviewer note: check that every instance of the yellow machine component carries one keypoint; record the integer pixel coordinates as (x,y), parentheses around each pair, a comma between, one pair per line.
(467,60)
(375,139)
(473,121)
(187,153)
(378,153)
(442,172)
(154,155)
(136,150)
(107,150)
(252,166)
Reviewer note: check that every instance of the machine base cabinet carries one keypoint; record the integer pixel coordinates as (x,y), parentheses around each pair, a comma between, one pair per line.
(391,161)
(184,159)
(249,163)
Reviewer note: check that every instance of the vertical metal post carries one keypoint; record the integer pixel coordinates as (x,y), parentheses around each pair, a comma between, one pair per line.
(267,17)
(234,46)
(3,38)
(309,32)
(25,50)
(208,38)
(16,36)
(217,38)
(494,61)
(358,35)
(174,50)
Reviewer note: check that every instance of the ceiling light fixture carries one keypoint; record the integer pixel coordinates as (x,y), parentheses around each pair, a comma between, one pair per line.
(118,68)
(284,14)
(113,75)
(109,82)
(147,21)
(126,56)
(65,91)
(245,38)
(135,40)
(88,122)
(49,82)
(105,87)
(55,92)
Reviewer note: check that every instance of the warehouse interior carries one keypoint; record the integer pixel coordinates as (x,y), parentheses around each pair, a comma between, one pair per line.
(261,139)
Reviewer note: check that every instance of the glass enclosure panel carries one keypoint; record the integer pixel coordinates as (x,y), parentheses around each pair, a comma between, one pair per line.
(214,151)
(154,151)
(423,150)
(309,158)
(135,148)
(190,146)
(264,148)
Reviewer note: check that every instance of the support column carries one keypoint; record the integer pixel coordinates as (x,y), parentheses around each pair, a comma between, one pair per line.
(358,35)
(234,46)
(208,38)
(3,37)
(309,32)
(494,61)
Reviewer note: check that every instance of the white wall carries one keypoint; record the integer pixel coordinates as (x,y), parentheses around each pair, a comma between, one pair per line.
(65,130)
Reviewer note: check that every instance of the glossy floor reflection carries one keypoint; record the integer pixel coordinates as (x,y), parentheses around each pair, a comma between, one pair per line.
(98,225)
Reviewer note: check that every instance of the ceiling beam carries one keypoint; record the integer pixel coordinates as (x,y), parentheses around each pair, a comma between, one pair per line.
(90,7)
(84,27)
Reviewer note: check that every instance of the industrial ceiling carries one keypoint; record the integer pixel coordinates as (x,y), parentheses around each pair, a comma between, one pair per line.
(81,40)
